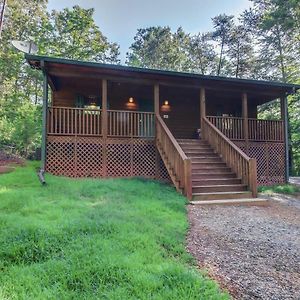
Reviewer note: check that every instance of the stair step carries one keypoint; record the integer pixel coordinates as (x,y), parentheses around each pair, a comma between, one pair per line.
(218,181)
(207,165)
(195,152)
(195,146)
(211,170)
(202,154)
(191,141)
(243,201)
(221,195)
(219,175)
(219,188)
(205,159)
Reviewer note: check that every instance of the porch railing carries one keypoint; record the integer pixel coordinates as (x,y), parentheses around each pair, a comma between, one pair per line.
(266,130)
(81,121)
(74,121)
(131,124)
(258,130)
(235,158)
(175,160)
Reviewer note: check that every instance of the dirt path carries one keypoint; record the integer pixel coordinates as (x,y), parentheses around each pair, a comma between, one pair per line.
(254,251)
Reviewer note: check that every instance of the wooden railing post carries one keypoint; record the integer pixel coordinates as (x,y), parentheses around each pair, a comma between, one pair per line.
(253,176)
(188,178)
(104,125)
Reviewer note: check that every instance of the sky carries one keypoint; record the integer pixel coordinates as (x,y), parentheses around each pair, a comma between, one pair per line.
(119,20)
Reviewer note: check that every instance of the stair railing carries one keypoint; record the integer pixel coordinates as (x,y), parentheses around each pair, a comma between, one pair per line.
(234,157)
(175,160)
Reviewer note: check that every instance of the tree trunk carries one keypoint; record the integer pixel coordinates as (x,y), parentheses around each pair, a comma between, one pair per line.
(221,56)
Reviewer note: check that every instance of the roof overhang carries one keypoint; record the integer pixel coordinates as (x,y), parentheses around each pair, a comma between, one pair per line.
(260,90)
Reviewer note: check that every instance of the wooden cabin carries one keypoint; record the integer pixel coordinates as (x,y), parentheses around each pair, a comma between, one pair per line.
(201,133)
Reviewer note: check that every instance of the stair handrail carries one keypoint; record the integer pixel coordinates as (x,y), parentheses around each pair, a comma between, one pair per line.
(176,161)
(244,166)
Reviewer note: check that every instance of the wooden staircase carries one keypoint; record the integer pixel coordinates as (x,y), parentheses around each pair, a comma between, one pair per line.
(212,179)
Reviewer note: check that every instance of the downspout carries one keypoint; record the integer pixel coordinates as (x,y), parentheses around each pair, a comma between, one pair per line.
(286,138)
(44,125)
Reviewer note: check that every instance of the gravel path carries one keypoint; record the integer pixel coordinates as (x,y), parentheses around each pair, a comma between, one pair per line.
(295,180)
(253,251)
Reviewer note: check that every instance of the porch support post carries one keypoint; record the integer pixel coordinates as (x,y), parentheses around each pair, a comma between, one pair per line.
(245,120)
(104,125)
(202,107)
(44,120)
(156,99)
(284,118)
(156,111)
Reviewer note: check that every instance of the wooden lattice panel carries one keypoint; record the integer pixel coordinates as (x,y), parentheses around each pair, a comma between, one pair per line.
(144,158)
(270,161)
(119,158)
(84,157)
(163,172)
(89,157)
(276,162)
(60,156)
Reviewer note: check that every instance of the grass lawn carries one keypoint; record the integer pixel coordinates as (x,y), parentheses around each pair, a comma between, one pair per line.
(95,239)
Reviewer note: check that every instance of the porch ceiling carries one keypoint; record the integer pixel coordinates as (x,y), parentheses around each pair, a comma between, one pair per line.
(258,91)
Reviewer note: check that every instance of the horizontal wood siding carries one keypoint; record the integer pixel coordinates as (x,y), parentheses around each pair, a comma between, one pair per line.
(183,119)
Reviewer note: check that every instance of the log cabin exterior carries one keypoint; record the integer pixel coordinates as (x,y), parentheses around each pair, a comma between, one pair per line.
(199,132)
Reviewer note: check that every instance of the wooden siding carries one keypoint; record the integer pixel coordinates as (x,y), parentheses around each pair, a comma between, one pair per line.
(183,119)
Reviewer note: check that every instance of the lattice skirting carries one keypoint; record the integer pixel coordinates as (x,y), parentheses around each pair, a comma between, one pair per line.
(270,158)
(84,157)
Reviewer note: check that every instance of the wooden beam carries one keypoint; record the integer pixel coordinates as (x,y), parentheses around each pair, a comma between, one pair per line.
(104,124)
(284,117)
(53,85)
(202,106)
(245,120)
(156,99)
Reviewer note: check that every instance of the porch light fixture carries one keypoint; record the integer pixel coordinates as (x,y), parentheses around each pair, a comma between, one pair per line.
(166,106)
(131,104)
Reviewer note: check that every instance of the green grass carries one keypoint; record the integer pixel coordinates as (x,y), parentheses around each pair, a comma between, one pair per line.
(288,189)
(95,239)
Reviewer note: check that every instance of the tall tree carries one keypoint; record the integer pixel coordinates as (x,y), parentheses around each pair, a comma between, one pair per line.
(75,35)
(277,24)
(159,48)
(223,25)
(71,33)
(201,54)
(240,51)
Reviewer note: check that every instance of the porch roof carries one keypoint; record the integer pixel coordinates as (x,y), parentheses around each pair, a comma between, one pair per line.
(260,90)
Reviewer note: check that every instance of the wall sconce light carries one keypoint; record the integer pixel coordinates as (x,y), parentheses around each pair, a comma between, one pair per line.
(166,106)
(131,104)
